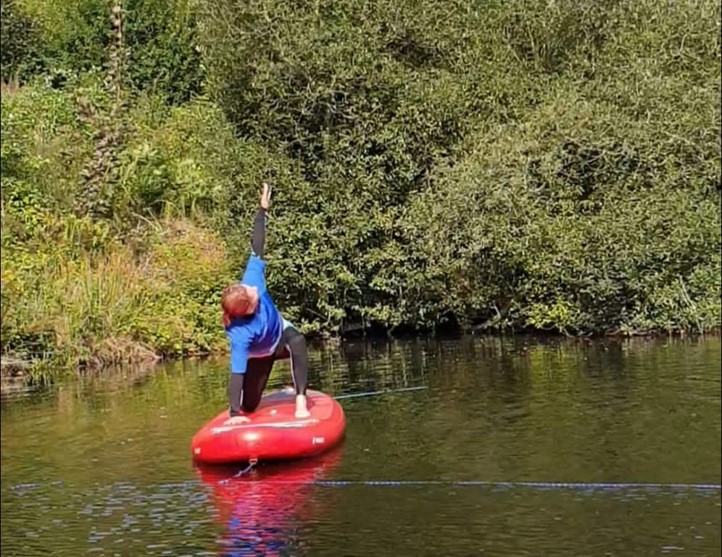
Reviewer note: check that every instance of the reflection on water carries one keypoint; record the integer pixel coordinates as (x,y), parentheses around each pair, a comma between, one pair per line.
(103,465)
(262,510)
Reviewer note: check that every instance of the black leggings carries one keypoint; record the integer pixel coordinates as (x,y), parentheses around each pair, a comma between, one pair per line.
(245,390)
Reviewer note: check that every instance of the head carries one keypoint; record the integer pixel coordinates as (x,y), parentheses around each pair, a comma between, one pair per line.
(238,300)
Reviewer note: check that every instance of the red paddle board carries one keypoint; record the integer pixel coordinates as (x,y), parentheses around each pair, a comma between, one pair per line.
(273,433)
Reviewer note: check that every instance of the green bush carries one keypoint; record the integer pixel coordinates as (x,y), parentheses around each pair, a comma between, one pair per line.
(544,165)
(574,220)
(522,164)
(127,303)
(145,282)
(19,38)
(74,36)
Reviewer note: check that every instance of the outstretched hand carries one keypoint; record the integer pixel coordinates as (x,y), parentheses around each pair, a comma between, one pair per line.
(266,196)
(237,420)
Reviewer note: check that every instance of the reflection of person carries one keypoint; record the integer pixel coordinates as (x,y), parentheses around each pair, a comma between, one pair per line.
(258,333)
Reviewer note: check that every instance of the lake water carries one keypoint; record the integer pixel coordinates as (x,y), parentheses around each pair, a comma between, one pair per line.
(517,446)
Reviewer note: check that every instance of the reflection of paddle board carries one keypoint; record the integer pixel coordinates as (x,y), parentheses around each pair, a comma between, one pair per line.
(262,511)
(273,432)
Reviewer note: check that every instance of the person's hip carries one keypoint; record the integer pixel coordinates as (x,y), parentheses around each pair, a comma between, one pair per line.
(274,350)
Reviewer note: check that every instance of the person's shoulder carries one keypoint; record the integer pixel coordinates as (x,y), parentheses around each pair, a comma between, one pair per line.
(256,260)
(255,266)
(266,299)
(255,272)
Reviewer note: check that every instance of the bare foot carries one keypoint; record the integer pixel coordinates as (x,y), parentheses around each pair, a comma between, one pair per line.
(301,408)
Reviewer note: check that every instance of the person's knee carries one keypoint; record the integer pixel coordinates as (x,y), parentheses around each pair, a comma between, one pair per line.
(297,344)
(249,406)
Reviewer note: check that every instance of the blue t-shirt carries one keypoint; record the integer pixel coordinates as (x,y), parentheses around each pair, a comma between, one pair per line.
(258,334)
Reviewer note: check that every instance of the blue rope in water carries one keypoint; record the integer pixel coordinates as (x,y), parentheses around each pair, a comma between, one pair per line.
(502,484)
(374,393)
(480,483)
(608,486)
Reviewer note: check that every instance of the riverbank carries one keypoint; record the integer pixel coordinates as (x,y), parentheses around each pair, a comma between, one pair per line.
(551,168)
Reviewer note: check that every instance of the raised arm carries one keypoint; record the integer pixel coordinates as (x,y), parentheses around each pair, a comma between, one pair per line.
(258,239)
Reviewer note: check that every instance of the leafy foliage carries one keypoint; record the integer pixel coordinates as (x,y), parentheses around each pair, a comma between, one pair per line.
(161,53)
(486,166)
(544,165)
(19,38)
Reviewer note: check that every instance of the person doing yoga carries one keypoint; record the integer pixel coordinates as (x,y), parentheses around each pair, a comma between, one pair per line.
(258,334)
